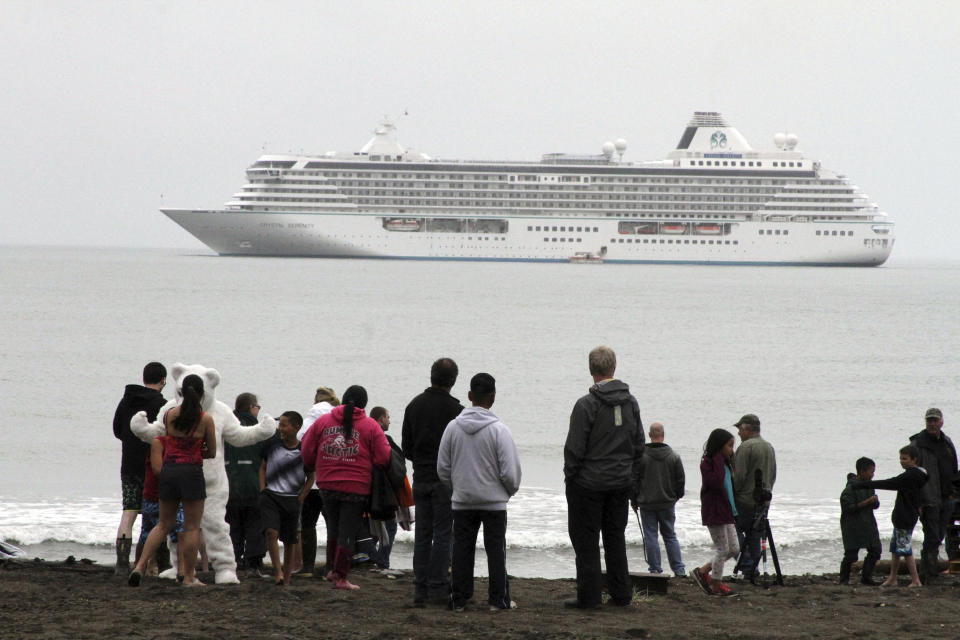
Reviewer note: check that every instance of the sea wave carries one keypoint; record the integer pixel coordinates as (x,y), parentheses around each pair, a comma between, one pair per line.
(537,519)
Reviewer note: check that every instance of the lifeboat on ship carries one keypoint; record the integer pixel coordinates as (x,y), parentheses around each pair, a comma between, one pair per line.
(402,224)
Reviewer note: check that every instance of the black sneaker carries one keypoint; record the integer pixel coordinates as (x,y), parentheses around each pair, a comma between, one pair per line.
(702,581)
(134,578)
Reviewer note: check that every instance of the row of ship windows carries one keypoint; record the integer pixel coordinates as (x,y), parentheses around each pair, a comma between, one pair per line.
(670,241)
(835,233)
(776,232)
(735,186)
(752,195)
(733,163)
(565,229)
(569,205)
(660,204)
(593,179)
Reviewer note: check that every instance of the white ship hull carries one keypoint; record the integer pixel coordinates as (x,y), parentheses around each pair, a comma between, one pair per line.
(360,235)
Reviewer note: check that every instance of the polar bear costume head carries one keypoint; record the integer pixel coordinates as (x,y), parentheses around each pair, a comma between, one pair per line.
(215,531)
(210,377)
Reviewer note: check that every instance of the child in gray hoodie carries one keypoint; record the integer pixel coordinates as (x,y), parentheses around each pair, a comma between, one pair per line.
(478,461)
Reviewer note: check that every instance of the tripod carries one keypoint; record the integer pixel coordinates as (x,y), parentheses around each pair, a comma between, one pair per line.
(761,523)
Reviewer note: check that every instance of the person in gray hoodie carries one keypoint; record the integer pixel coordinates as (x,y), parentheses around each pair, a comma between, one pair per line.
(478,462)
(662,484)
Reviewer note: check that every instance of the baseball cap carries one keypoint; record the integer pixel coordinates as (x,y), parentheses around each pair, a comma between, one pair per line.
(748,419)
(933,412)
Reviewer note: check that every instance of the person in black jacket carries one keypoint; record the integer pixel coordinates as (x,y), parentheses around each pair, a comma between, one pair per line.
(243,506)
(906,511)
(601,467)
(136,398)
(939,457)
(424,421)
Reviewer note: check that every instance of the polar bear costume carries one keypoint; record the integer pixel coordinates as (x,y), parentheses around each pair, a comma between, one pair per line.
(216,533)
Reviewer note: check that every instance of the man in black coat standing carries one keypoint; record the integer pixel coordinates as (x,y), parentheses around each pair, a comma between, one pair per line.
(136,398)
(939,457)
(602,465)
(424,421)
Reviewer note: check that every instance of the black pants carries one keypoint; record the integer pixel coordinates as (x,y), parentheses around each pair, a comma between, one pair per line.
(311,509)
(590,515)
(749,545)
(934,521)
(431,540)
(466,524)
(343,520)
(246,532)
(850,556)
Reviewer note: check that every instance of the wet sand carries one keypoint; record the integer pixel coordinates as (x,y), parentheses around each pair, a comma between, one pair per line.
(41,599)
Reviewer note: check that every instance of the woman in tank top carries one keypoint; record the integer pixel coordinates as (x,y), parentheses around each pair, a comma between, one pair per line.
(177,457)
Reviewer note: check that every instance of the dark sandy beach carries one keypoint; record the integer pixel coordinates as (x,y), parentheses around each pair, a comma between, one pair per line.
(60,600)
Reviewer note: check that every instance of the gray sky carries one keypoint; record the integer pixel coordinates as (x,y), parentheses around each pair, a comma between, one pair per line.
(110,110)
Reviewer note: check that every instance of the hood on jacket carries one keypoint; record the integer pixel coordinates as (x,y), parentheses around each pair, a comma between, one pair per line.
(657,450)
(851,477)
(612,393)
(137,394)
(337,413)
(473,419)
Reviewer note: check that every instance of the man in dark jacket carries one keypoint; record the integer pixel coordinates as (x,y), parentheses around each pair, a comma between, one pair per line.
(662,484)
(601,469)
(243,506)
(424,421)
(939,457)
(858,526)
(136,398)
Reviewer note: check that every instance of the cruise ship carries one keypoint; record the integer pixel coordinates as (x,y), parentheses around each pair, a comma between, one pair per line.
(713,200)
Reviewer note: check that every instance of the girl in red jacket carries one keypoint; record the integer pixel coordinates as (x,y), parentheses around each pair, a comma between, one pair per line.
(717,510)
(342,447)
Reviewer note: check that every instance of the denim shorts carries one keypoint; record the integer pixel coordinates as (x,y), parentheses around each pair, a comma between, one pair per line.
(150,516)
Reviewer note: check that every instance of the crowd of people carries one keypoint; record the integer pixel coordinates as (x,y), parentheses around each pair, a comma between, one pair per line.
(339,462)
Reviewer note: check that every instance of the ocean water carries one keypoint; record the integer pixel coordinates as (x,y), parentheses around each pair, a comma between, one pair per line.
(837,362)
